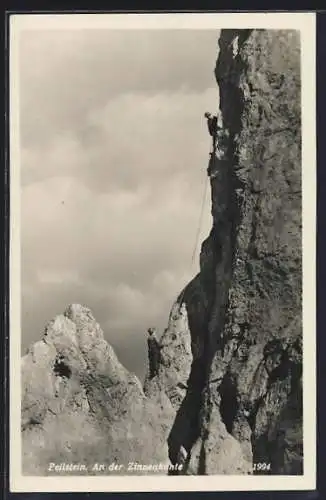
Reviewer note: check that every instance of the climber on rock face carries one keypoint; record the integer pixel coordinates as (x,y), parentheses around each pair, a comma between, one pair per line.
(221,138)
(153,352)
(212,127)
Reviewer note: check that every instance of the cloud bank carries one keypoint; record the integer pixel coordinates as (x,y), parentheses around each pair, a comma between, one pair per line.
(114,152)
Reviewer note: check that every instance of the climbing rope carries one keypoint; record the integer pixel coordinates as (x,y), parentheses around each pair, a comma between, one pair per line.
(197,234)
(199,223)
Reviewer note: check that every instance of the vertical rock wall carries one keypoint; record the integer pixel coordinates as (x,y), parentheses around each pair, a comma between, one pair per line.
(244,307)
(228,388)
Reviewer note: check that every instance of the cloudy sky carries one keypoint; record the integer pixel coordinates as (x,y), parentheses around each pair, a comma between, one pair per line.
(114,150)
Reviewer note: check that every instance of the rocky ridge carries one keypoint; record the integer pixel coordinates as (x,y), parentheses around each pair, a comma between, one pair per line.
(80,405)
(228,388)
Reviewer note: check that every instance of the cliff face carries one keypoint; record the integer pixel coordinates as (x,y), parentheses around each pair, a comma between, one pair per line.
(244,307)
(228,387)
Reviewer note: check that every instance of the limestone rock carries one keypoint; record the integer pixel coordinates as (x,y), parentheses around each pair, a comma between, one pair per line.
(81,405)
(244,397)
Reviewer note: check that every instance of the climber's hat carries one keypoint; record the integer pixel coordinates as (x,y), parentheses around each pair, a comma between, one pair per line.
(207,114)
(151,331)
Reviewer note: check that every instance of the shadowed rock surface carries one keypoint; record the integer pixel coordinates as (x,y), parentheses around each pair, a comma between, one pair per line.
(229,387)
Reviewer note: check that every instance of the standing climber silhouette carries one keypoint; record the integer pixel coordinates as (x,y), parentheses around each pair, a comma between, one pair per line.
(154,349)
(212,128)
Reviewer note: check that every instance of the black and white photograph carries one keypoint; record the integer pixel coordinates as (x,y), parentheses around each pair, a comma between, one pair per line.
(162,315)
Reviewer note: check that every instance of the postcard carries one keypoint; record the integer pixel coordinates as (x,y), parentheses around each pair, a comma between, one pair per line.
(162,252)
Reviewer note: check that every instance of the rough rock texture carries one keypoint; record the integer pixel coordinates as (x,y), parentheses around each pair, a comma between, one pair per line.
(244,307)
(80,405)
(229,385)
(176,360)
